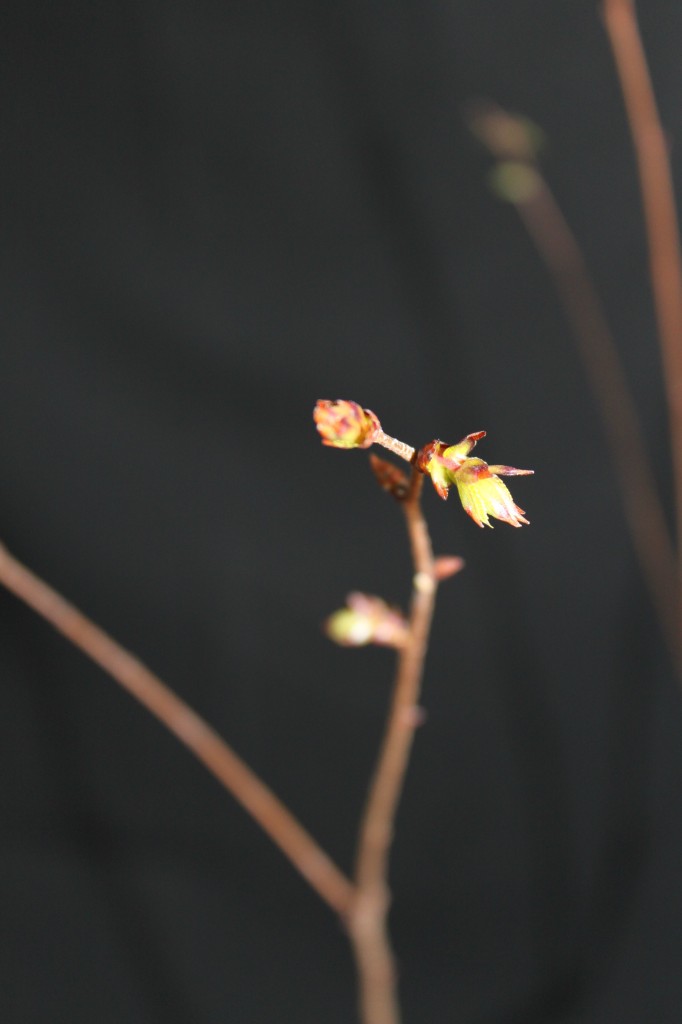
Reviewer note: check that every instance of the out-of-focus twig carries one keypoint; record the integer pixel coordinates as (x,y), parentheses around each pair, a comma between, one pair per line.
(658,197)
(518,178)
(204,742)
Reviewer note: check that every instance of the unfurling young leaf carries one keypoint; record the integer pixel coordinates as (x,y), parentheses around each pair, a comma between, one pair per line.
(480,489)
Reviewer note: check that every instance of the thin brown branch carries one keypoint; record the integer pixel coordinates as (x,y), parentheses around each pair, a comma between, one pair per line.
(399,448)
(520,180)
(367,921)
(658,197)
(255,797)
(604,369)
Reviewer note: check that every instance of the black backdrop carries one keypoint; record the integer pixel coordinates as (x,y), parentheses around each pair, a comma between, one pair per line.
(212,215)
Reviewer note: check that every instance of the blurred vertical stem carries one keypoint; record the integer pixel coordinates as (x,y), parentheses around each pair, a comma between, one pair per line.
(367,922)
(520,181)
(653,544)
(658,197)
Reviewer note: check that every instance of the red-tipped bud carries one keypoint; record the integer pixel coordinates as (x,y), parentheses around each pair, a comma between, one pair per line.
(343,424)
(389,477)
(446,566)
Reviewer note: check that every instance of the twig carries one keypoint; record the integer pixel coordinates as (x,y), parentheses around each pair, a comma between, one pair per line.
(643,509)
(558,247)
(367,920)
(660,213)
(255,797)
(399,448)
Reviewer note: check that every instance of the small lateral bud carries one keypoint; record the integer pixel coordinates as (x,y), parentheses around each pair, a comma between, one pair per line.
(424,582)
(447,565)
(366,620)
(414,716)
(507,136)
(389,477)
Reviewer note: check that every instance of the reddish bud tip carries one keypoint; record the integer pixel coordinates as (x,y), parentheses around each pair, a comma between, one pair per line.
(447,565)
(389,477)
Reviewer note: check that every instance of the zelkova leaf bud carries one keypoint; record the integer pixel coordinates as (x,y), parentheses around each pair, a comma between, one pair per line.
(480,489)
(344,424)
(366,620)
(389,477)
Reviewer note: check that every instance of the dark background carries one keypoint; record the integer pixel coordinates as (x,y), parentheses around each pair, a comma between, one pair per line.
(213,214)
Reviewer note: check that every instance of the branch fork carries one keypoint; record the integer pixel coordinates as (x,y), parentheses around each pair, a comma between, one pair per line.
(361,901)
